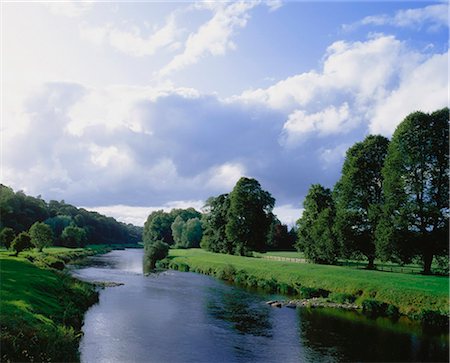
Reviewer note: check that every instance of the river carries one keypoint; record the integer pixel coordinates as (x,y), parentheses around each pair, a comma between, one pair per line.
(186,317)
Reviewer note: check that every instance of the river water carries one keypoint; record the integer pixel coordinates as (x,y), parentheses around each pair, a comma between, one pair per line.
(186,317)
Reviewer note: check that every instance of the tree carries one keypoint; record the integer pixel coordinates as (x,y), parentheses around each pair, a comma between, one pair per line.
(21,242)
(41,235)
(158,227)
(359,197)
(315,227)
(7,235)
(154,252)
(416,189)
(215,220)
(249,216)
(279,238)
(73,236)
(177,230)
(192,233)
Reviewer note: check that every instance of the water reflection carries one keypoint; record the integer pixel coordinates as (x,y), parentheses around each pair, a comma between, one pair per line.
(239,308)
(347,336)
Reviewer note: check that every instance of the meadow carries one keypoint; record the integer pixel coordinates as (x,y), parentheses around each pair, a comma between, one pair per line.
(412,294)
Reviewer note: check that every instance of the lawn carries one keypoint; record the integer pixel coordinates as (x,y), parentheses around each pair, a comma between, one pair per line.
(412,293)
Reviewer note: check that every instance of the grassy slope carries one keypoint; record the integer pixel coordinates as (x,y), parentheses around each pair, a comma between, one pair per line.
(411,293)
(41,311)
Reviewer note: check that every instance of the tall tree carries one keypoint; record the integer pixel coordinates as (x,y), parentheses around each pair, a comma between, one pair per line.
(359,196)
(41,235)
(249,216)
(416,188)
(215,220)
(315,227)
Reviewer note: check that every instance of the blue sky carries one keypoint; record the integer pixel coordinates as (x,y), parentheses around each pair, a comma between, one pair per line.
(129,107)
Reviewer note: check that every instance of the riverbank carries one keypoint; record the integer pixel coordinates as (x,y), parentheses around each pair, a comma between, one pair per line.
(383,293)
(42,307)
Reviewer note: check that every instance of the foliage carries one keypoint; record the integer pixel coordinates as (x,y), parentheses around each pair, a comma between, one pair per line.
(359,196)
(279,238)
(158,226)
(57,224)
(19,212)
(315,228)
(192,233)
(187,234)
(21,242)
(249,216)
(215,219)
(73,236)
(416,190)
(7,235)
(41,235)
(411,293)
(154,252)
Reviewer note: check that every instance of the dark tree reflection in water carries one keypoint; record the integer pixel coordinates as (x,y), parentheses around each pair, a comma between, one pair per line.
(332,335)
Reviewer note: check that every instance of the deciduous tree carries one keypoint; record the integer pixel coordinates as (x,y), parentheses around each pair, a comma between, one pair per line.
(359,196)
(416,189)
(41,235)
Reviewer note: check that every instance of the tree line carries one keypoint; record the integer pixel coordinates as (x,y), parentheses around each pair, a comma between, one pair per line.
(236,223)
(30,221)
(391,201)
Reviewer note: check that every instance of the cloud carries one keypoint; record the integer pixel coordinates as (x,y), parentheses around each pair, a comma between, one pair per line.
(133,42)
(140,146)
(372,84)
(213,37)
(288,214)
(332,120)
(424,89)
(432,16)
(69,8)
(138,215)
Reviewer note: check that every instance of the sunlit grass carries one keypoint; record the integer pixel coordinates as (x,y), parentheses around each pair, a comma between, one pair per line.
(41,311)
(412,293)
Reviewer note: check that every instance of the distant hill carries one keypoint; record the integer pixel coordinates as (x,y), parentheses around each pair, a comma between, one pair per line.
(19,211)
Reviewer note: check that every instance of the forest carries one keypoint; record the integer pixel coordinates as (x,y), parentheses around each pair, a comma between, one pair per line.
(26,219)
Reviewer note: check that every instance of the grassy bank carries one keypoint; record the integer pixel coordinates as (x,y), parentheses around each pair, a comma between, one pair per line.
(414,295)
(41,307)
(41,312)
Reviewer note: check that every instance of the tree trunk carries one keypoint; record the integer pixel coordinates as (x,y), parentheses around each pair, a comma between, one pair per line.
(427,260)
(371,265)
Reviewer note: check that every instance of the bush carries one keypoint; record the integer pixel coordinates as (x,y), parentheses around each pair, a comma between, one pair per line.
(154,252)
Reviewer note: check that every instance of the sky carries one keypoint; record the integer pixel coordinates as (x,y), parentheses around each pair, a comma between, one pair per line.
(129,107)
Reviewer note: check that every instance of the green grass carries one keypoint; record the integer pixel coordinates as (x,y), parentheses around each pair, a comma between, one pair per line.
(287,254)
(412,294)
(41,310)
